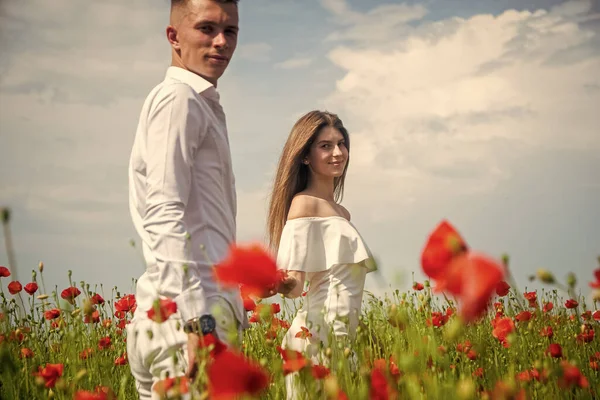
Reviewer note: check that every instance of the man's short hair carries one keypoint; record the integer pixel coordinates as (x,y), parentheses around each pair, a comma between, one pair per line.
(182,2)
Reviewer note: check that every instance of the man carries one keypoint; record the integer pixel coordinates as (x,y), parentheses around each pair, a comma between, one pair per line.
(182,197)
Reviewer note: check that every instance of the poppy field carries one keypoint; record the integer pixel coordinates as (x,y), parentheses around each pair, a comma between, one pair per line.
(468,333)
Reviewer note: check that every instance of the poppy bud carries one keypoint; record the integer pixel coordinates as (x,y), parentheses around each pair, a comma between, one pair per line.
(80,374)
(545,276)
(347,352)
(465,389)
(41,266)
(332,389)
(571,279)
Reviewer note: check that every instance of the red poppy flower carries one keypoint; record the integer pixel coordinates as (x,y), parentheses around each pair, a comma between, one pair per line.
(104,343)
(86,353)
(437,319)
(554,350)
(26,353)
(547,332)
(293,361)
(502,288)
(418,286)
(50,374)
(126,304)
(587,334)
(320,371)
(524,316)
(94,317)
(70,293)
(15,287)
(380,388)
(99,394)
(249,304)
(4,272)
(304,333)
(31,288)
(473,278)
(121,360)
(596,315)
(572,376)
(97,299)
(209,340)
(171,388)
(162,310)
(442,245)
(502,328)
(595,285)
(52,314)
(251,266)
(531,298)
(231,375)
(571,303)
(548,307)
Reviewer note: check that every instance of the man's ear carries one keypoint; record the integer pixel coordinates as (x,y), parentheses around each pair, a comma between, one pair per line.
(172,37)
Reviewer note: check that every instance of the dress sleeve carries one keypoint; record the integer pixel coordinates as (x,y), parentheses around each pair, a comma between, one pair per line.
(313,245)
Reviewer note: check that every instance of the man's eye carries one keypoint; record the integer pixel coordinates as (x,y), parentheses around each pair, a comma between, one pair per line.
(206,29)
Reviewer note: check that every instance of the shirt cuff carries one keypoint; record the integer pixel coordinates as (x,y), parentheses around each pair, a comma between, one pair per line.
(192,304)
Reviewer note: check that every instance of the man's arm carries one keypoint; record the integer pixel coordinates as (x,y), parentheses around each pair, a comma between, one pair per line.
(175,129)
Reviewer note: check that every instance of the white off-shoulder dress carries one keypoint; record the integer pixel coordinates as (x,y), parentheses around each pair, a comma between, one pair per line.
(336,260)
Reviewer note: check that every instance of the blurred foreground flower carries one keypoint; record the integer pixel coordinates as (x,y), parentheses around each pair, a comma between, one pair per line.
(232,375)
(252,267)
(472,277)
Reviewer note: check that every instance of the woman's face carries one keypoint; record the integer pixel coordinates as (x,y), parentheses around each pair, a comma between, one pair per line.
(328,154)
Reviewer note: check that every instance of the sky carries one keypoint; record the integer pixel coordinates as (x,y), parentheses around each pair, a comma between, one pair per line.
(482,112)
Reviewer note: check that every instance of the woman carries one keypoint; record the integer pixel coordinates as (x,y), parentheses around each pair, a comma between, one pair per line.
(313,236)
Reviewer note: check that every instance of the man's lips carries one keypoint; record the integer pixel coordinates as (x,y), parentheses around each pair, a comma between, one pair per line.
(218,58)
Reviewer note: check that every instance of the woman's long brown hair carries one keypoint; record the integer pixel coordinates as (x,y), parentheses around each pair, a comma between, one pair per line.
(292,174)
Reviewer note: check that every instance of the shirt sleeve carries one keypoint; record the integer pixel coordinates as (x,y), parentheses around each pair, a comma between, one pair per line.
(176,127)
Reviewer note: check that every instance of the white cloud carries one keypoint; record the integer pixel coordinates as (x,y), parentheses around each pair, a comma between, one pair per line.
(258,51)
(450,106)
(381,23)
(294,63)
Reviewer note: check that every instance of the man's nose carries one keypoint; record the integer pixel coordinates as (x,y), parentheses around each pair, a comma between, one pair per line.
(220,40)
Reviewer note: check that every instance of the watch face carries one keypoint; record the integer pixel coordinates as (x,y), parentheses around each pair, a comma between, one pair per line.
(207,324)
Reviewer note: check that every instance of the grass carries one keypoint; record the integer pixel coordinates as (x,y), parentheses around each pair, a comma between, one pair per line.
(419,356)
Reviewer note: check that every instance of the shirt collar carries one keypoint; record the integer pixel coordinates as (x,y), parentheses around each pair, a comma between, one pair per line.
(198,83)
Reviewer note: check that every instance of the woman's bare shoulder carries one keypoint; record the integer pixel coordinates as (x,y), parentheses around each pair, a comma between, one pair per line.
(304,205)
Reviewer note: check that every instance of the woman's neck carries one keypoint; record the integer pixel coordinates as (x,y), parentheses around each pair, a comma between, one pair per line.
(321,187)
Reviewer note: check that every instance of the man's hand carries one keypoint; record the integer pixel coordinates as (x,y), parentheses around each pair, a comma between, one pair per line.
(192,348)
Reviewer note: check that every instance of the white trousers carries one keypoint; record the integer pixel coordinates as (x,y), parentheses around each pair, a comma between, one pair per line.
(331,306)
(157,351)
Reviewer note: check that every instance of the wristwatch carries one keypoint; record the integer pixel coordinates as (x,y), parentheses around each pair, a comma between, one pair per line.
(201,325)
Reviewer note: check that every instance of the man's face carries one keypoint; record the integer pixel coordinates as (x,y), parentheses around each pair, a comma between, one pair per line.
(207,33)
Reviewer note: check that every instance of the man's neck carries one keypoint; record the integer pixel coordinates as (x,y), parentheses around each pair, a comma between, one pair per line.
(176,62)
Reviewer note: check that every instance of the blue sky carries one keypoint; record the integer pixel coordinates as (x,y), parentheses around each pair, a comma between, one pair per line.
(483,112)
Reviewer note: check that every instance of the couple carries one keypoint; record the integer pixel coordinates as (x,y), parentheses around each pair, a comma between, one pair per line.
(183,205)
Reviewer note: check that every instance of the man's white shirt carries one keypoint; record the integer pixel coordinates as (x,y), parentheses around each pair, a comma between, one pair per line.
(182,195)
